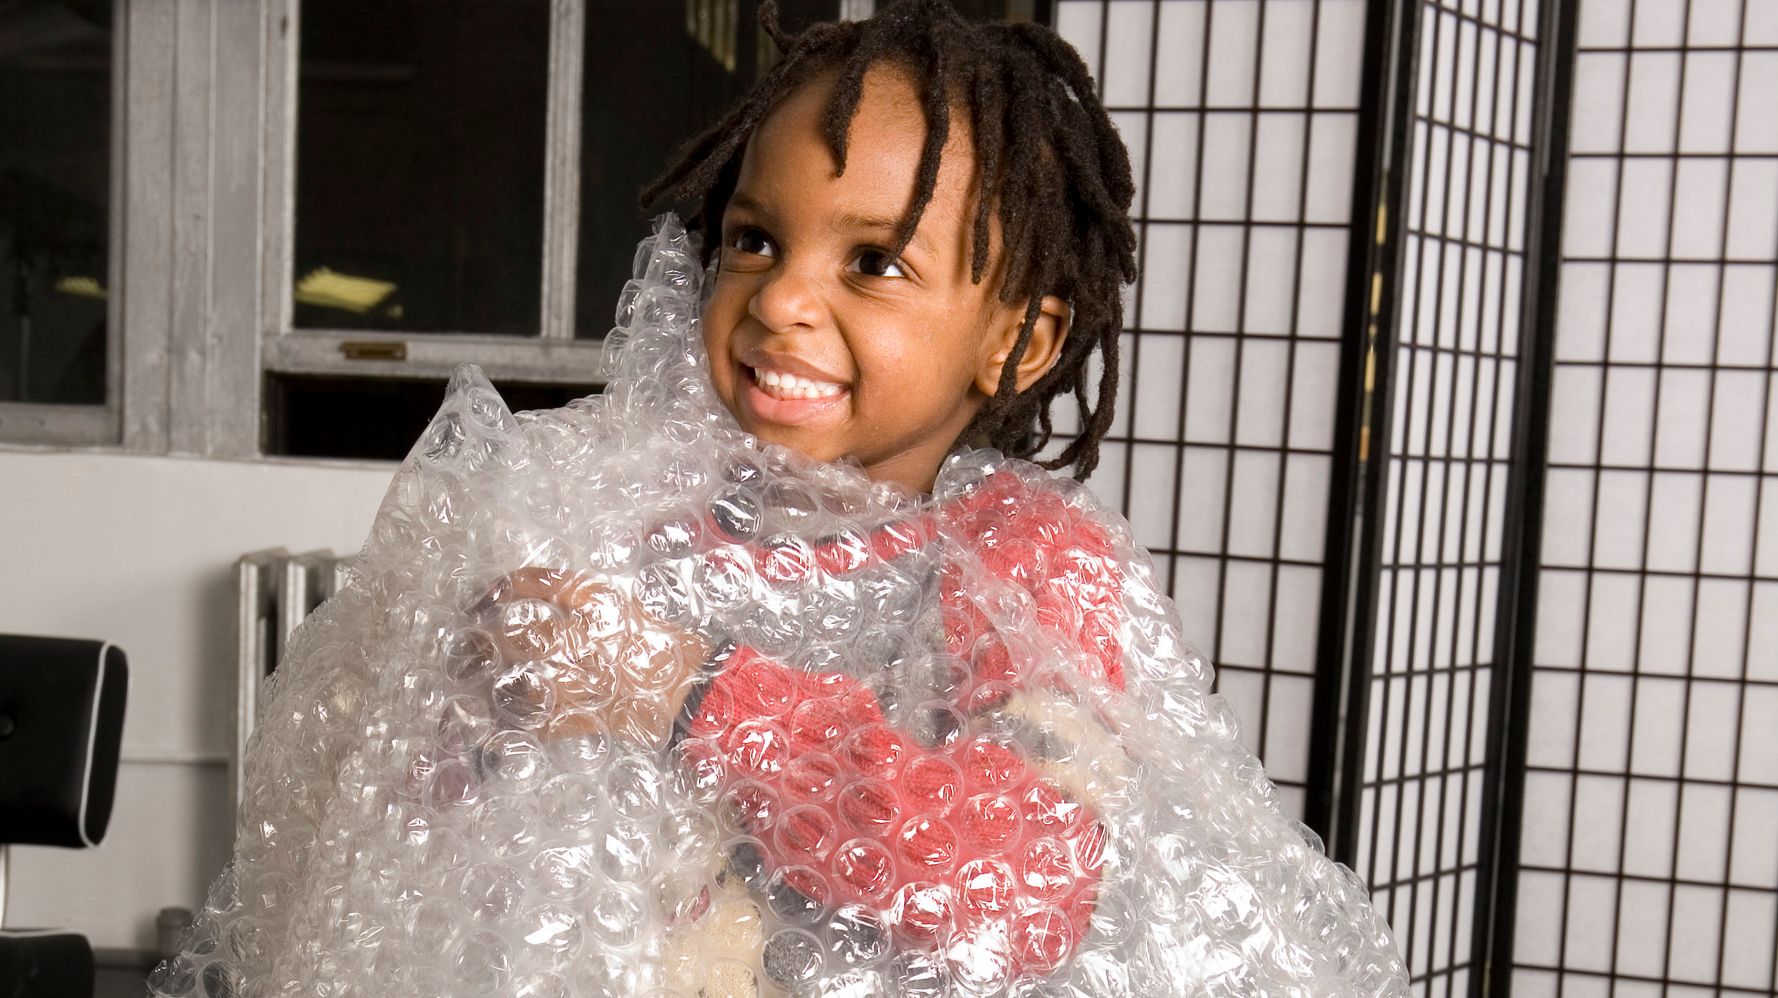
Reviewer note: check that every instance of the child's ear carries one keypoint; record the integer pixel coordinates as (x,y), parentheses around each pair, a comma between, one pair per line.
(1041,353)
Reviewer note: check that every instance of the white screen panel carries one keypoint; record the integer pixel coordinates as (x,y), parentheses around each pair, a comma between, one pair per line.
(1241,116)
(1656,637)
(1454,364)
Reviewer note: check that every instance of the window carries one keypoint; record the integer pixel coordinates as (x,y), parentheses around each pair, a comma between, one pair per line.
(56,348)
(420,165)
(333,203)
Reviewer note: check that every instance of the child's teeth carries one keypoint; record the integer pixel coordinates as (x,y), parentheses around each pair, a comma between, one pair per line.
(795,386)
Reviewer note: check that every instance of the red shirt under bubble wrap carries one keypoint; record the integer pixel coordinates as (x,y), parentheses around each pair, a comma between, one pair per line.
(967,834)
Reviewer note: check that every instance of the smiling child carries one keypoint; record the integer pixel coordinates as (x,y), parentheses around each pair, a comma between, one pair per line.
(922,226)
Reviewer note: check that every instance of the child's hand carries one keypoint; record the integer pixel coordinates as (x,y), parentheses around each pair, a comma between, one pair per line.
(610,665)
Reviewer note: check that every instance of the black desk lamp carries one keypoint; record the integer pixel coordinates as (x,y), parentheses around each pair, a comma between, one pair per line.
(61,723)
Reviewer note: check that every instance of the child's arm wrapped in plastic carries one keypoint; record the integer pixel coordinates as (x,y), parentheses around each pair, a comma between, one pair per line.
(940,813)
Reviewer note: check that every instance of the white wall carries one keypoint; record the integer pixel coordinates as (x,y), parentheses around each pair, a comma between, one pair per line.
(140,551)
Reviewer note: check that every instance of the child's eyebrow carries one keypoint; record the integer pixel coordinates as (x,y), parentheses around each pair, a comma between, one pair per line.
(881,224)
(746,202)
(851,221)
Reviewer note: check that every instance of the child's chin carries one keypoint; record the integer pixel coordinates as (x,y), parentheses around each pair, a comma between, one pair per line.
(809,445)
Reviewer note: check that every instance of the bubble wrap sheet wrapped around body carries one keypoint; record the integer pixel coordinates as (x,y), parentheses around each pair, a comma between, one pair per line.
(935,746)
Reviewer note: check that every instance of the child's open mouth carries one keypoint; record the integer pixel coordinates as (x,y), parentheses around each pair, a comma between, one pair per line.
(784,385)
(778,396)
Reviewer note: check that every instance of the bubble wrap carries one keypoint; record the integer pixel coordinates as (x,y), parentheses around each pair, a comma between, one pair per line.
(945,745)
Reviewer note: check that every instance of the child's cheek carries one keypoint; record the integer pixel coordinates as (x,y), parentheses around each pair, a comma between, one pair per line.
(727,383)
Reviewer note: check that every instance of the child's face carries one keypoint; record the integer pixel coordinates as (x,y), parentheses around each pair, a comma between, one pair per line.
(821,341)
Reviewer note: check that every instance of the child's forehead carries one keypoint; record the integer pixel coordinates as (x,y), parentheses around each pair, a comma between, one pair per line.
(890,95)
(882,140)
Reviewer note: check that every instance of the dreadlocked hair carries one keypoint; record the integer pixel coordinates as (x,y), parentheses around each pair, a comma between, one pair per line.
(1052,168)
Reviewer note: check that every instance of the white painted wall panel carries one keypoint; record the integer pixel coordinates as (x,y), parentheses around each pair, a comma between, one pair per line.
(140,551)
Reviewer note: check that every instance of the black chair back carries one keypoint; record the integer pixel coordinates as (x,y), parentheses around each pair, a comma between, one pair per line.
(61,726)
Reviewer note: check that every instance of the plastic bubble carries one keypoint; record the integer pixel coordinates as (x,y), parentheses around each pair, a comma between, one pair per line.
(798,895)
(634,787)
(793,956)
(501,830)
(542,986)
(745,864)
(492,891)
(482,964)
(514,760)
(857,935)
(616,917)
(917,974)
(524,696)
(551,930)
(174,978)
(980,959)
(451,783)
(846,984)
(564,873)
(620,701)
(472,655)
(433,925)
(735,513)
(626,852)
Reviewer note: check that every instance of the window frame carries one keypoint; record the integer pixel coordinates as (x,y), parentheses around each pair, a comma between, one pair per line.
(552,355)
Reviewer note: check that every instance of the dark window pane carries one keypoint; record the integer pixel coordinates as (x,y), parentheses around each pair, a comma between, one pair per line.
(419,178)
(377,418)
(657,73)
(55,181)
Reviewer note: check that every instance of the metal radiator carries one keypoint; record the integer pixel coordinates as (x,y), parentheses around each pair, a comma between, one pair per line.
(276,590)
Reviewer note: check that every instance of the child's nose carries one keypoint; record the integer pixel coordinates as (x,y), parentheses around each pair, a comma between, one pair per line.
(787,300)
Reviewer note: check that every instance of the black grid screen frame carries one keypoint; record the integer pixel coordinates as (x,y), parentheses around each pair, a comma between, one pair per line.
(1441,452)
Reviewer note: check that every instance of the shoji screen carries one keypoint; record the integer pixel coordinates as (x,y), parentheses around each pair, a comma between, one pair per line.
(1648,848)
(1444,442)
(1241,118)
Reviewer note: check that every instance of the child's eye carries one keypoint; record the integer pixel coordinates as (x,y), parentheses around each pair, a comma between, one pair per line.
(752,241)
(877,263)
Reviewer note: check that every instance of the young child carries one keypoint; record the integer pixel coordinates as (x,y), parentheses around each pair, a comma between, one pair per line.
(797,691)
(920,228)
(920,233)
(923,223)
